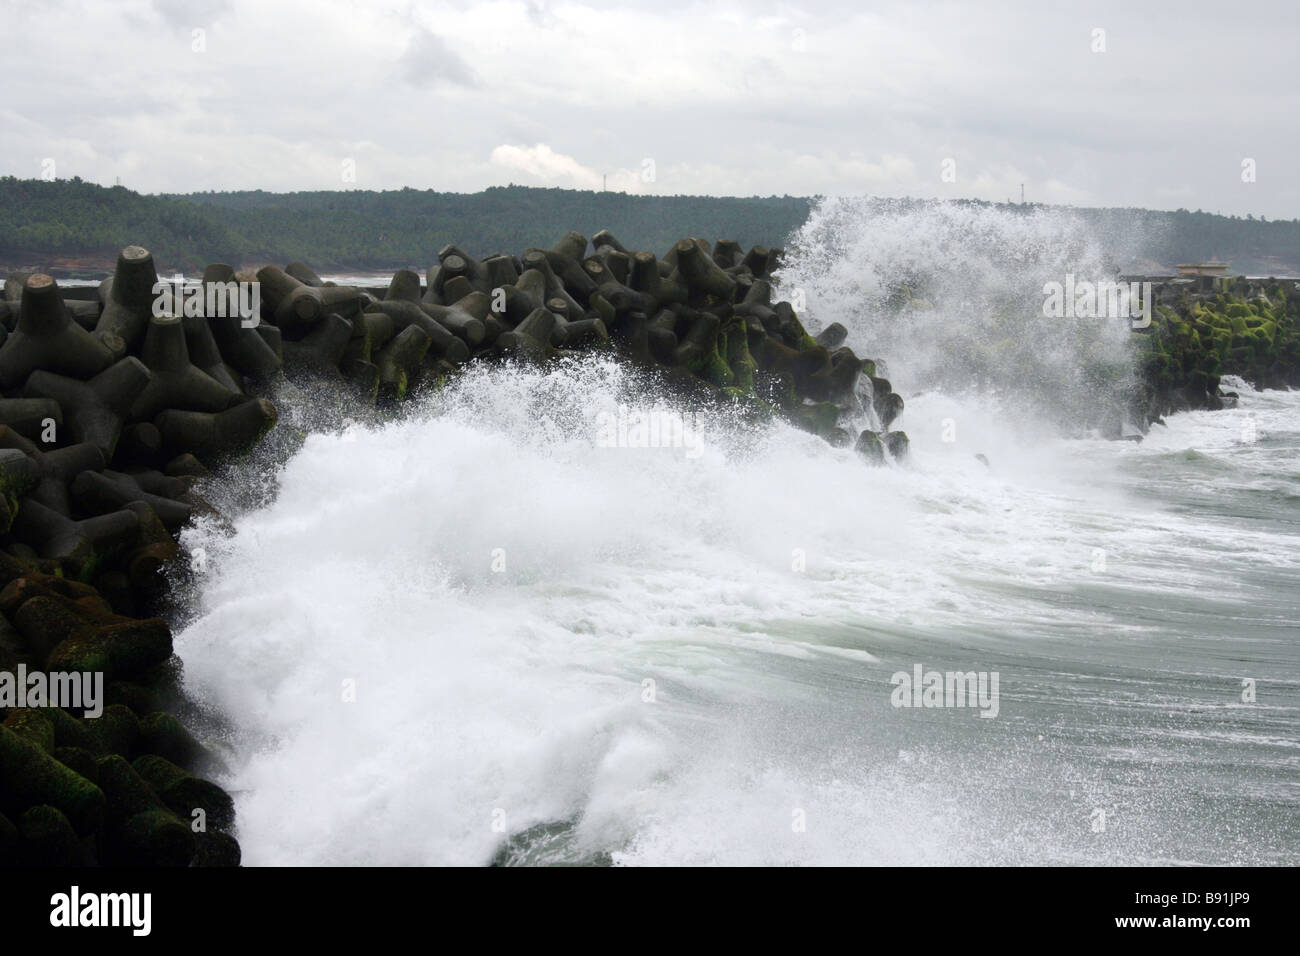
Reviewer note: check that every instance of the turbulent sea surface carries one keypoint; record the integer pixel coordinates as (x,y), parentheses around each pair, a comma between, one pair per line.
(568,653)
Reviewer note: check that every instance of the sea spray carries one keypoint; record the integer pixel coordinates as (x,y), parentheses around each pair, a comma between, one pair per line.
(952,295)
(417,560)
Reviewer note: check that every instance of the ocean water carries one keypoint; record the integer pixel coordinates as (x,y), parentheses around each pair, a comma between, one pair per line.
(482,634)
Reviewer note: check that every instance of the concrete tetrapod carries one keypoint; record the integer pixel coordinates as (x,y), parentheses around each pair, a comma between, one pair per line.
(46,338)
(211,435)
(240,343)
(78,546)
(129,296)
(99,492)
(32,777)
(531,338)
(55,467)
(94,411)
(175,382)
(399,361)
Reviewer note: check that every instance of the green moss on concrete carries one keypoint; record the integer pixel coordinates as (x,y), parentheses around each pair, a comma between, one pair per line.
(739,359)
(30,776)
(31,724)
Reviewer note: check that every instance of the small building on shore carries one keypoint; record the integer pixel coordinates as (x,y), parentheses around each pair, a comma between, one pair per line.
(1202,268)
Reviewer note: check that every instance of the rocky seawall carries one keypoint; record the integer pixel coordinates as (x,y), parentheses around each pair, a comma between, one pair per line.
(1205,327)
(116,406)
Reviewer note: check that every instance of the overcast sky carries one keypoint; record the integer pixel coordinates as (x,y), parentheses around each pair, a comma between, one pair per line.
(1160,110)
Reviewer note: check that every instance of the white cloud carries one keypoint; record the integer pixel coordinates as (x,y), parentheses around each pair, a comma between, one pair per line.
(543,165)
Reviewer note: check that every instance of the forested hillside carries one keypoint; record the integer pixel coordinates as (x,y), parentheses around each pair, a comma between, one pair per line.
(40,221)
